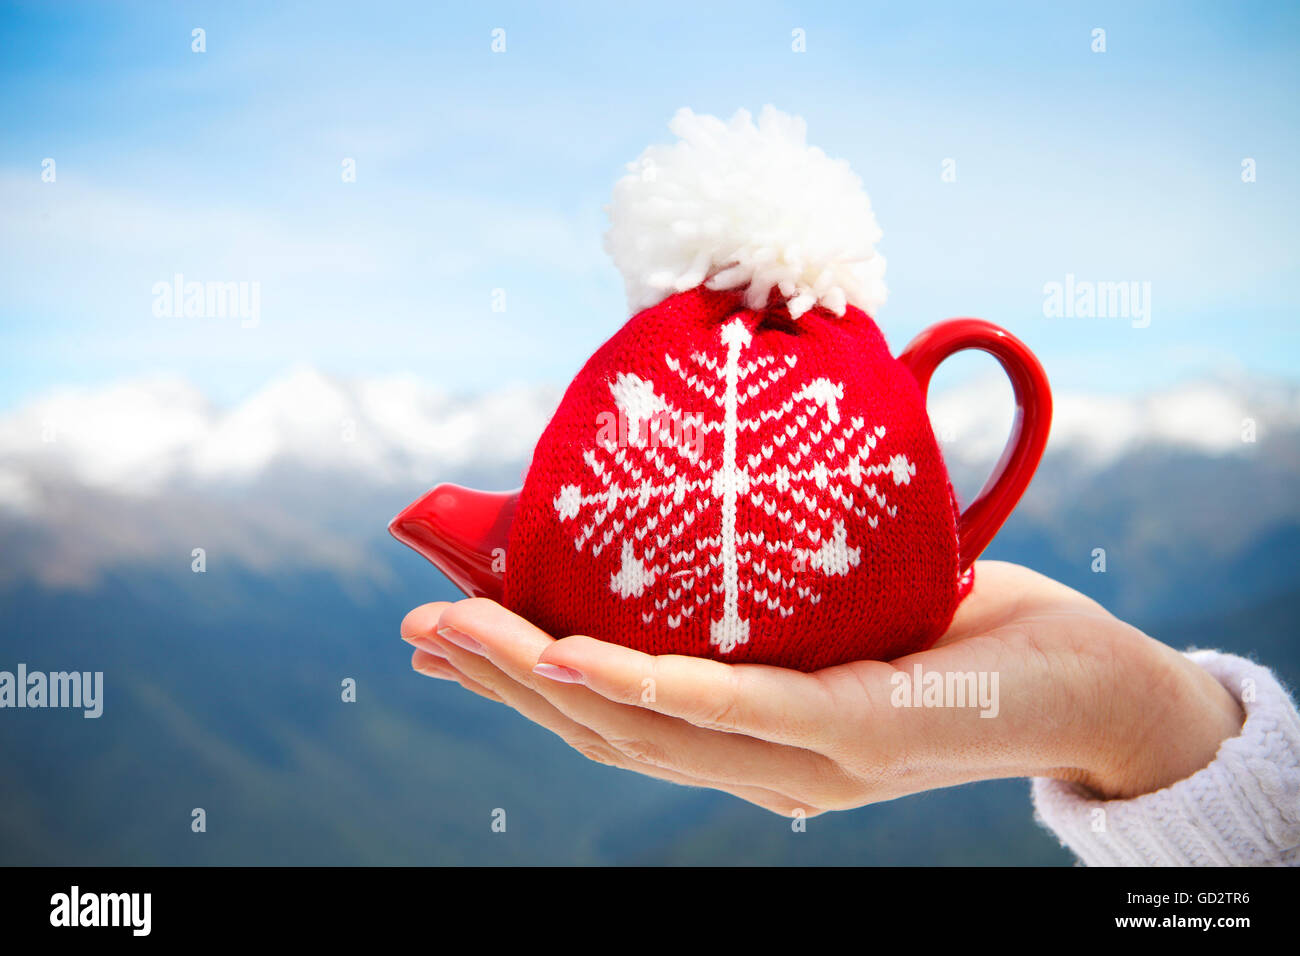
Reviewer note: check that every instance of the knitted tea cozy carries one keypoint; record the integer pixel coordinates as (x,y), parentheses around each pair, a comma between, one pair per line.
(744,471)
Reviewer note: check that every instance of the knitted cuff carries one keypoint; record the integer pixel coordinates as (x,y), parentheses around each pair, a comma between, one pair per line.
(1243,809)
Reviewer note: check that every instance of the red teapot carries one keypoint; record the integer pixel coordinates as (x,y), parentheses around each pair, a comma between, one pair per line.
(743,471)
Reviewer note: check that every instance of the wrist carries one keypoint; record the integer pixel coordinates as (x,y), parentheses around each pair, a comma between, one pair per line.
(1168,721)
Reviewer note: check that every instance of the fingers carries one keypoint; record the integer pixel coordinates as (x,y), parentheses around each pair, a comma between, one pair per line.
(591,744)
(431,658)
(769,703)
(506,642)
(423,620)
(842,715)
(431,665)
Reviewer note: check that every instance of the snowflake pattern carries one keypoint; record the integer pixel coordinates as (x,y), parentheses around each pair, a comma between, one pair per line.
(652,496)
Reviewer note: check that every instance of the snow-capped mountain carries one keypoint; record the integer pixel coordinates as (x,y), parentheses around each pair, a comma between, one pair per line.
(138,438)
(302,474)
(1219,416)
(307,471)
(232,676)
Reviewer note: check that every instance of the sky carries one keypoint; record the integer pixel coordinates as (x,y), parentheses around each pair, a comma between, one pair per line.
(478,171)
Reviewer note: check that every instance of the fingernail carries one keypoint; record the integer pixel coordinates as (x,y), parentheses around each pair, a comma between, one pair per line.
(461,640)
(565,675)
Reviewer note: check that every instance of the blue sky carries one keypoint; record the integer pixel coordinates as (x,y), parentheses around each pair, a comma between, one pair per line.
(479,171)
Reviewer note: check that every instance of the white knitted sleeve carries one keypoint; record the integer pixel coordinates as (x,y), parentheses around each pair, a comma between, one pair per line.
(1243,809)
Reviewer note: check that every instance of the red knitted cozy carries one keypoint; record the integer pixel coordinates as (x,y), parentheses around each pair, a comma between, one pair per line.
(743,471)
(739,484)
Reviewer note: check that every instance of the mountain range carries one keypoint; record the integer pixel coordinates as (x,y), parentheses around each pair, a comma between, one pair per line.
(223,687)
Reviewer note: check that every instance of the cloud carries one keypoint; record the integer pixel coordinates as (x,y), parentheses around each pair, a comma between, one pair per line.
(1206,417)
(306,472)
(138,438)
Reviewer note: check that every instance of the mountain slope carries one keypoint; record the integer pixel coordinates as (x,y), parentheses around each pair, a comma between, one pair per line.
(223,687)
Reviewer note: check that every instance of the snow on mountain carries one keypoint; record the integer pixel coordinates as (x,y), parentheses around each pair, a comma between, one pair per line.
(138,438)
(303,474)
(308,470)
(1211,417)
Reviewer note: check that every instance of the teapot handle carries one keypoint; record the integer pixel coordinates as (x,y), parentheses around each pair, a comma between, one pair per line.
(1000,494)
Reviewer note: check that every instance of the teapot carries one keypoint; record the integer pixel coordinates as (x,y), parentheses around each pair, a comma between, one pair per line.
(743,471)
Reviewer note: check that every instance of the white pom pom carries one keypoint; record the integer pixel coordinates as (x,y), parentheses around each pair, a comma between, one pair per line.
(734,205)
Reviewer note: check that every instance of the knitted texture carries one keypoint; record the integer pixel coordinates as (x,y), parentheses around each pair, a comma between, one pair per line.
(1243,809)
(736,484)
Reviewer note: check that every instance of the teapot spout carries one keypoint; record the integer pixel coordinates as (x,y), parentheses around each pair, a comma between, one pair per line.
(463,532)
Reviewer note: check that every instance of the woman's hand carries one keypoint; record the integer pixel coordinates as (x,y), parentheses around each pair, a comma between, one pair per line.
(1079,695)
